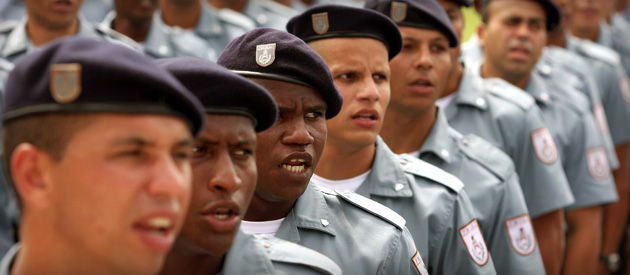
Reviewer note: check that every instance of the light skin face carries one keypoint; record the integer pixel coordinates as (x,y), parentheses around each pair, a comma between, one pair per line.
(420,70)
(224,178)
(51,13)
(360,69)
(136,10)
(513,39)
(115,207)
(289,151)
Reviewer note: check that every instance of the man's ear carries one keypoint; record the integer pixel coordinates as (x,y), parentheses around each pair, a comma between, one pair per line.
(481,31)
(29,166)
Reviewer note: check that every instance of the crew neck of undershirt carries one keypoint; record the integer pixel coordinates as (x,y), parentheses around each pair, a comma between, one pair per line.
(351,184)
(262,228)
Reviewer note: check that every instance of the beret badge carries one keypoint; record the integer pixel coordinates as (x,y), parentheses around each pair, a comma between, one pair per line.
(399,11)
(65,82)
(320,22)
(265,54)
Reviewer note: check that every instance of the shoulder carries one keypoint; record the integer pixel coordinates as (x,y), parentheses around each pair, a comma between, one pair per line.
(113,35)
(508,93)
(300,258)
(487,155)
(367,205)
(417,167)
(278,8)
(235,19)
(596,51)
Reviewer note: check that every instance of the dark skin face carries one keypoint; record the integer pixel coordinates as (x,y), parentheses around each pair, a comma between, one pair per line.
(289,151)
(224,178)
(136,10)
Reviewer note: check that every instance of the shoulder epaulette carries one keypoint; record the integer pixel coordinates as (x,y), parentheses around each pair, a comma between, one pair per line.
(287,252)
(423,169)
(487,155)
(278,8)
(235,18)
(596,51)
(508,92)
(8,26)
(116,36)
(5,65)
(372,207)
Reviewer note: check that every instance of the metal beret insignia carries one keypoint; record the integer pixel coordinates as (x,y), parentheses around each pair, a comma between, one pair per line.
(320,22)
(65,82)
(265,54)
(398,12)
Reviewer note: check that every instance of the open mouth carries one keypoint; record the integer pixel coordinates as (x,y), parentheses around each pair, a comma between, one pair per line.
(156,226)
(295,165)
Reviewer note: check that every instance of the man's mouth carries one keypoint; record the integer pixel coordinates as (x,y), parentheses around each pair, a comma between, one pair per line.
(294,165)
(157,226)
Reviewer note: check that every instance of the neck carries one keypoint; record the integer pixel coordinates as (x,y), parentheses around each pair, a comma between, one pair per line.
(137,31)
(454,79)
(263,210)
(405,132)
(586,33)
(340,162)
(183,16)
(40,34)
(237,5)
(487,71)
(178,263)
(557,38)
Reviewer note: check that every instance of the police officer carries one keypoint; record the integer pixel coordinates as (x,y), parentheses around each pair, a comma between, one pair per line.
(265,13)
(360,235)
(107,174)
(513,38)
(224,178)
(216,27)
(356,159)
(46,22)
(137,19)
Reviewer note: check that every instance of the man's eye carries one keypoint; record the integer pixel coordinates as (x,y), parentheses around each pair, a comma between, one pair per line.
(313,114)
(346,76)
(243,152)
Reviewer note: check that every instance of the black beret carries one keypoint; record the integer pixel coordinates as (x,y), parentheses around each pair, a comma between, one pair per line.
(224,92)
(423,14)
(88,75)
(464,3)
(551,10)
(330,21)
(278,55)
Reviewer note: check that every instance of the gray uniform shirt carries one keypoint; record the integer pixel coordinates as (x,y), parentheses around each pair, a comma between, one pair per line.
(617,39)
(507,117)
(613,82)
(570,72)
(267,13)
(494,189)
(251,254)
(15,42)
(164,42)
(578,144)
(360,235)
(436,208)
(7,260)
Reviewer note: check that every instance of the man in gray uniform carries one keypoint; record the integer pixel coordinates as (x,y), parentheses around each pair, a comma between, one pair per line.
(216,27)
(265,13)
(513,37)
(46,23)
(354,43)
(138,21)
(224,179)
(503,115)
(107,174)
(360,235)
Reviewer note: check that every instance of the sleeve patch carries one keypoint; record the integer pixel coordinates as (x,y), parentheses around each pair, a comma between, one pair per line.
(600,116)
(476,245)
(624,87)
(521,234)
(545,147)
(417,261)
(598,163)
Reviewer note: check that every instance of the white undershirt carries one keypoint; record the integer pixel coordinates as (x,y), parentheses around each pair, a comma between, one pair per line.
(445,101)
(351,184)
(262,228)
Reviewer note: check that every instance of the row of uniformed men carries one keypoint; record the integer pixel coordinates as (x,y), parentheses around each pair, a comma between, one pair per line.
(357,45)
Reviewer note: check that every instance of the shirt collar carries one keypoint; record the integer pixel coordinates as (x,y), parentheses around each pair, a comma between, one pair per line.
(605,36)
(7,260)
(537,88)
(157,43)
(209,25)
(246,249)
(470,90)
(310,212)
(255,11)
(439,142)
(387,178)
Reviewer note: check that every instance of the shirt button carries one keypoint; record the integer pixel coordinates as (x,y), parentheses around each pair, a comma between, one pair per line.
(266,245)
(465,141)
(324,222)
(545,69)
(480,102)
(403,161)
(216,29)
(262,19)
(399,186)
(163,49)
(544,96)
(444,153)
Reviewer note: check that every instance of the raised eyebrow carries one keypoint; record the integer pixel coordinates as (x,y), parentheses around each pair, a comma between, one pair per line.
(409,39)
